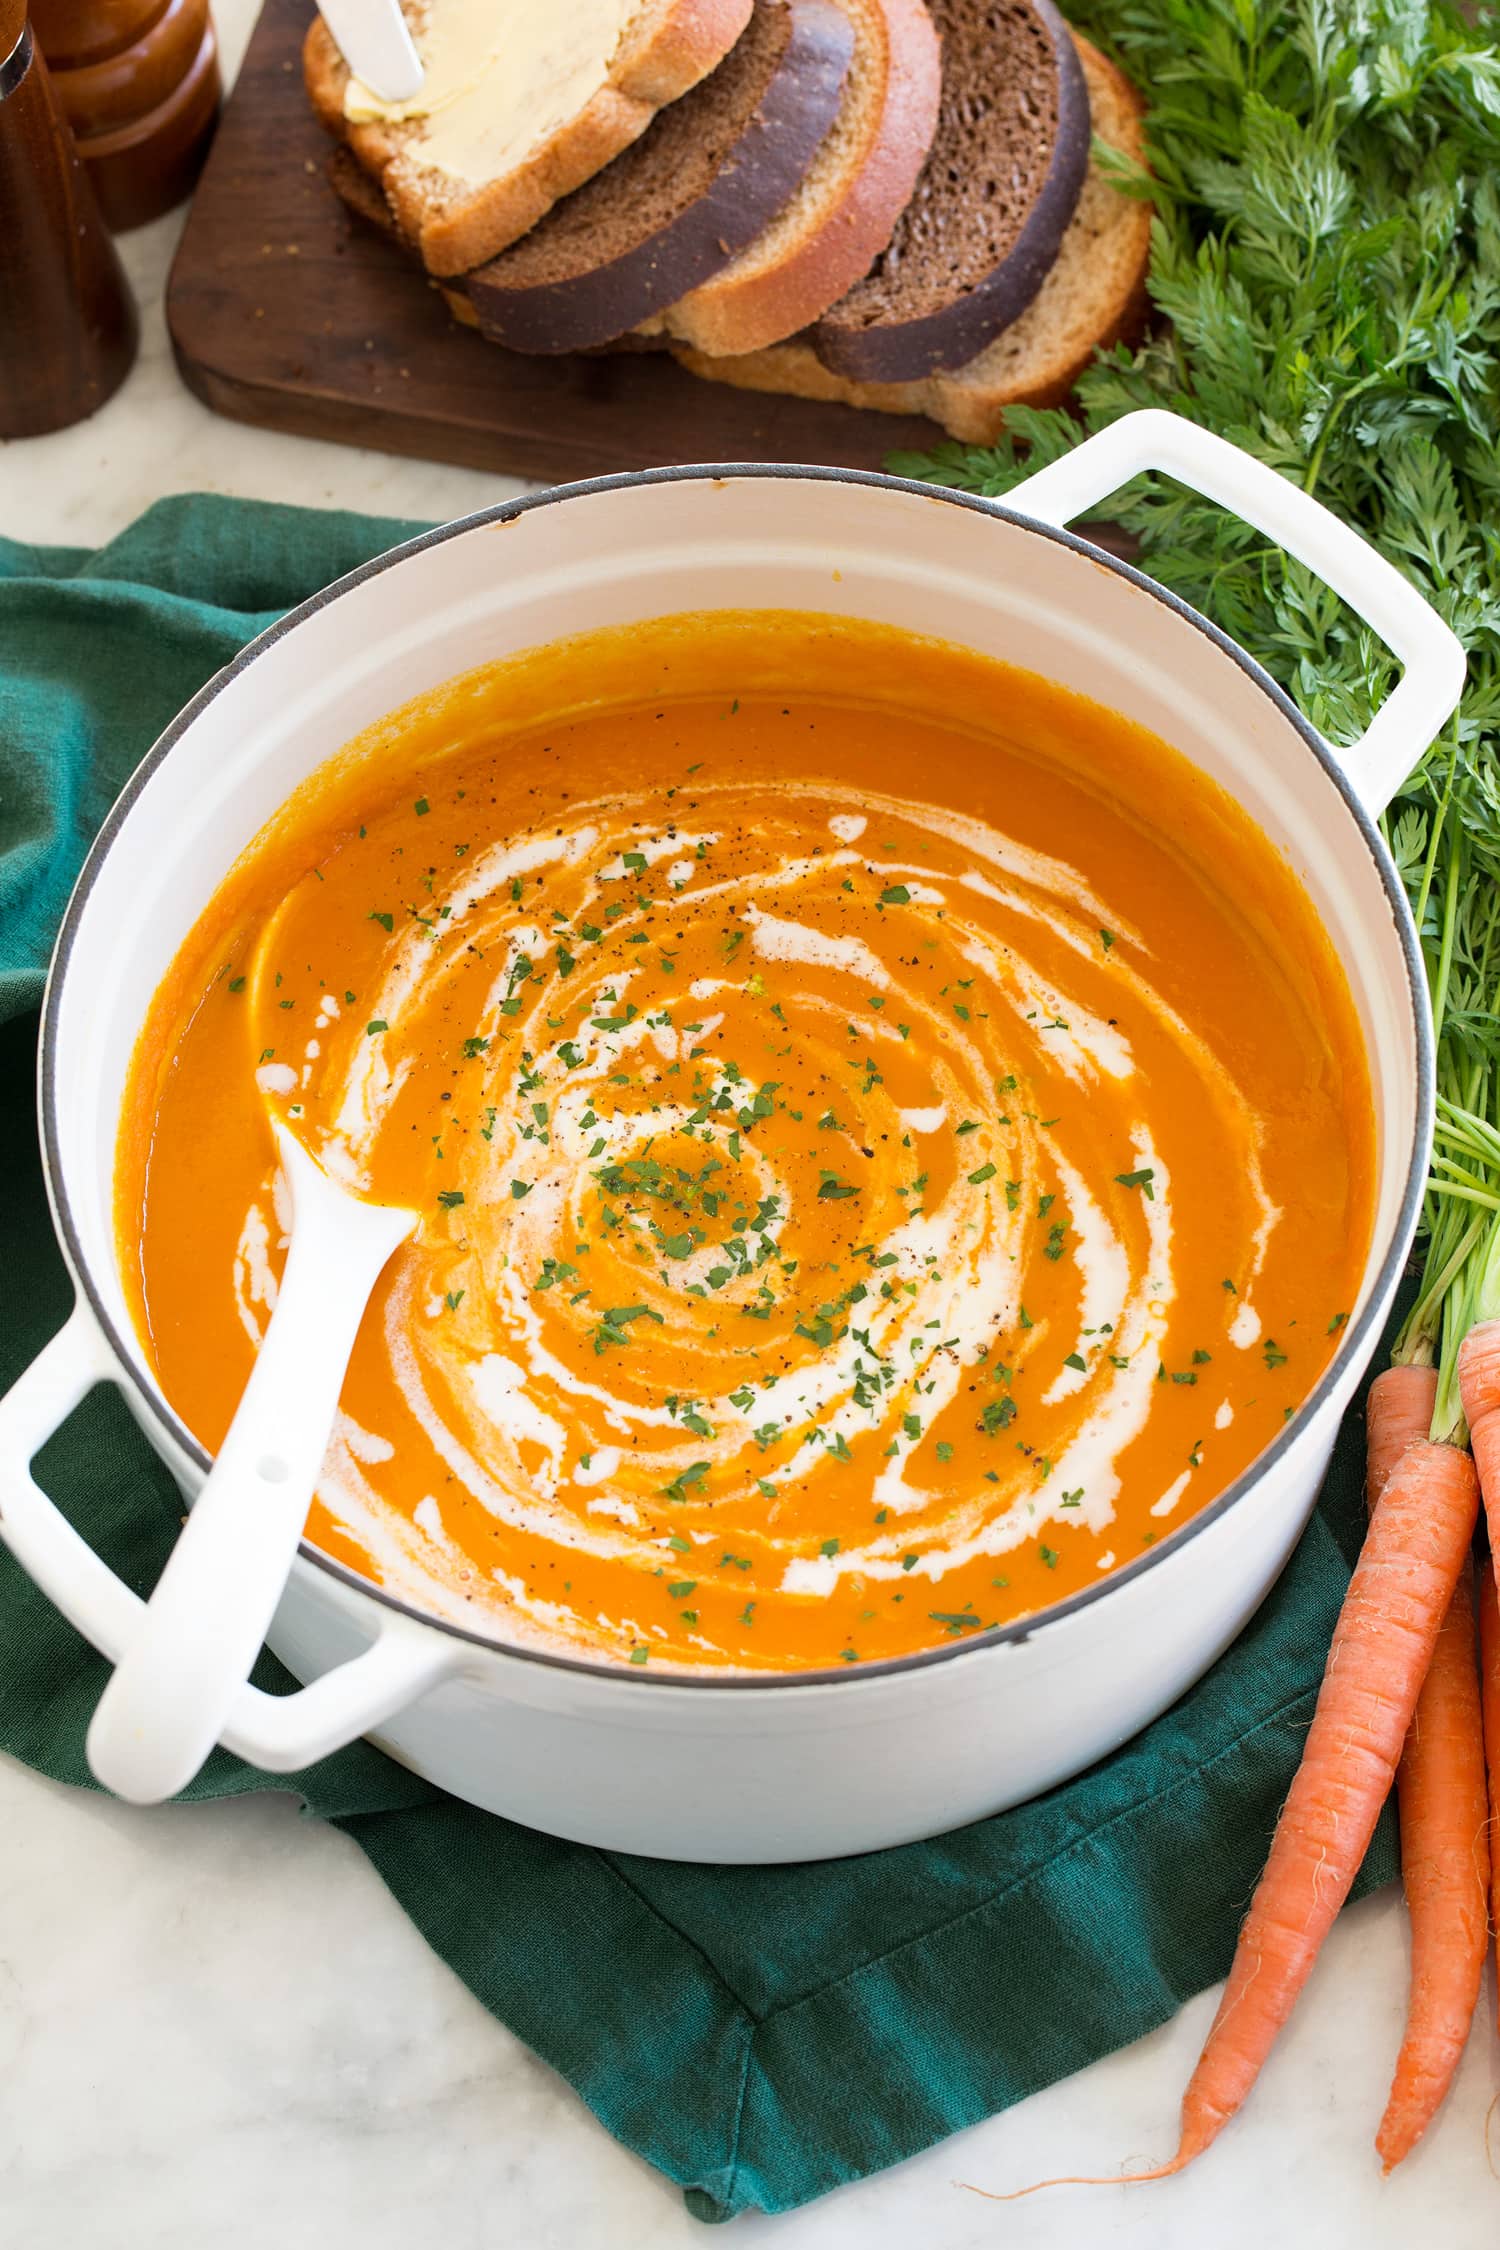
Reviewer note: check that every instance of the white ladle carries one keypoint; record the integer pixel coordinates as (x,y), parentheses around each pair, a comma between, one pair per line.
(372,37)
(169,1699)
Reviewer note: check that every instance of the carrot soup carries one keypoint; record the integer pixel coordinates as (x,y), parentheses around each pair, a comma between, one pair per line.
(891,1140)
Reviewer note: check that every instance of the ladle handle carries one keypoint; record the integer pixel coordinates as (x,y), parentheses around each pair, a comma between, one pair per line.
(170,1696)
(1432,655)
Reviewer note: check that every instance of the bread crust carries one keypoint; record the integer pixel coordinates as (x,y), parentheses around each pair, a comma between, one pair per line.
(666,49)
(742,311)
(1038,360)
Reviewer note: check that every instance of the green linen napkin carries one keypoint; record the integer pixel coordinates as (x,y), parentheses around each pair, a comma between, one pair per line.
(760,2035)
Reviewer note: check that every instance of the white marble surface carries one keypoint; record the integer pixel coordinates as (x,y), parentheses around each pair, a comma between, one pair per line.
(216,2029)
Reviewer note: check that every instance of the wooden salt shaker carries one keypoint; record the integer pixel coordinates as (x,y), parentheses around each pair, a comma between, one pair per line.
(67,320)
(139,82)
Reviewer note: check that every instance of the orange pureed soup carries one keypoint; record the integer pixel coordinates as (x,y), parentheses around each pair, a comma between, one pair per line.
(891,1141)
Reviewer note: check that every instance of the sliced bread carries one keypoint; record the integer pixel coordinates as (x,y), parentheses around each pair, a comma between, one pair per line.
(1000,184)
(707,174)
(1094,296)
(521,102)
(842,214)
(362,198)
(360,193)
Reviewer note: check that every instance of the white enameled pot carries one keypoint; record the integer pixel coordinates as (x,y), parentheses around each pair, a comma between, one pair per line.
(805,1765)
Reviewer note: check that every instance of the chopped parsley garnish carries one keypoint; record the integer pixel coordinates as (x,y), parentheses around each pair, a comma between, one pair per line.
(613,1327)
(680,1486)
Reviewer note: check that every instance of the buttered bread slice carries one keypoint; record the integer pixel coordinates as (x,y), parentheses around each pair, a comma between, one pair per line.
(521,102)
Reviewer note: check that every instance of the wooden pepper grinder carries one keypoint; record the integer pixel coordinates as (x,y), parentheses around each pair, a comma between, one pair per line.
(67,319)
(139,82)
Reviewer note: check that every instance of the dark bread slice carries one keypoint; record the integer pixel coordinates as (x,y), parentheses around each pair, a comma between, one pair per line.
(1094,296)
(360,192)
(361,196)
(706,176)
(996,196)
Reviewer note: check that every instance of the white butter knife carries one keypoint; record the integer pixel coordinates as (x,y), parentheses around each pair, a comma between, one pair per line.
(372,37)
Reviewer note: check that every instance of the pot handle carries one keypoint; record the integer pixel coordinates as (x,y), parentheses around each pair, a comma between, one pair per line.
(277,1733)
(1431,655)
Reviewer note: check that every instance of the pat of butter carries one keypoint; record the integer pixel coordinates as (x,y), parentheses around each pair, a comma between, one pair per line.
(499,78)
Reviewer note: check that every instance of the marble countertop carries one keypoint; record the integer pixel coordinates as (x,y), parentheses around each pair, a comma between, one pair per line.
(216,2028)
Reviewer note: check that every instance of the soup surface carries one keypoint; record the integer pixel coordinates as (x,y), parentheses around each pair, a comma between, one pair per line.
(891,1141)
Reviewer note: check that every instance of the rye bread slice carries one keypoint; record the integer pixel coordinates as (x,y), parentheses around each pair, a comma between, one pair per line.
(1001,183)
(842,214)
(707,174)
(363,200)
(455,221)
(1094,296)
(360,193)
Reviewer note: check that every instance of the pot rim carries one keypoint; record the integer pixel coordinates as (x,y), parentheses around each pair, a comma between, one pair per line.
(161,1417)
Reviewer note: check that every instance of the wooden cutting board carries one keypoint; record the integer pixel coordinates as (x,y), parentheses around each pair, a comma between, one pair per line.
(287,313)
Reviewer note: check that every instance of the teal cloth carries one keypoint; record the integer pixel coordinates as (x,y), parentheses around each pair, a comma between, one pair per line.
(760,2035)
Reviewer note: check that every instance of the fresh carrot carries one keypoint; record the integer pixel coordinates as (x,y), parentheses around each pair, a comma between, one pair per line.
(1479,1388)
(1445,1873)
(1398,1413)
(1440,1786)
(1405,1578)
(1489,1696)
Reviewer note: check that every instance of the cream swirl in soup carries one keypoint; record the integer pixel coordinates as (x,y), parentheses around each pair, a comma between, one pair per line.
(867,1168)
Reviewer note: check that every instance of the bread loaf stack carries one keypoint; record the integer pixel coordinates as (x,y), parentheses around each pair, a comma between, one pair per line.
(893,203)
